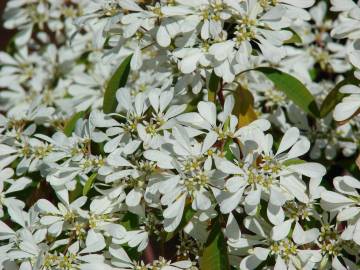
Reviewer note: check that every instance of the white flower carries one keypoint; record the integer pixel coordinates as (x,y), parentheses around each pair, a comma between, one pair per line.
(171,161)
(348,21)
(137,238)
(87,89)
(272,175)
(194,179)
(15,186)
(278,241)
(54,218)
(345,202)
(151,132)
(122,260)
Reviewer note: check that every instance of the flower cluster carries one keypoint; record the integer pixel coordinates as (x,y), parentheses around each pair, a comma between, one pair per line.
(176,134)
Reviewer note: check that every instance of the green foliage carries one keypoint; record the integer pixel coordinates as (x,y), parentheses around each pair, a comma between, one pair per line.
(293,88)
(117,81)
(295,38)
(214,83)
(130,221)
(215,255)
(71,123)
(89,182)
(335,97)
(294,161)
(187,216)
(244,107)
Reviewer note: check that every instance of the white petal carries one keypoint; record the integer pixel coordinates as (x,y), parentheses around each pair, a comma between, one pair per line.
(130,5)
(202,202)
(261,253)
(162,37)
(300,148)
(5,229)
(299,3)
(334,197)
(19,184)
(183,264)
(171,224)
(48,220)
(345,110)
(95,266)
(6,174)
(47,207)
(233,184)
(221,50)
(253,197)
(351,181)
(309,169)
(295,186)
(133,198)
(17,215)
(163,159)
(229,167)
(120,253)
(208,111)
(175,208)
(233,232)
(136,60)
(280,264)
(250,262)
(99,119)
(277,196)
(302,237)
(231,201)
(279,232)
(275,214)
(356,236)
(115,159)
(209,141)
(288,140)
(94,242)
(189,63)
(6,150)
(332,201)
(348,213)
(350,89)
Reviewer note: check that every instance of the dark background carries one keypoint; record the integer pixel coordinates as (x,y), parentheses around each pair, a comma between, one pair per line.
(5,35)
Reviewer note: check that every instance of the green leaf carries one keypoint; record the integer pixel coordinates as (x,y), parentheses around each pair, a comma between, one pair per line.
(77,192)
(313,72)
(188,215)
(244,107)
(228,154)
(334,97)
(214,83)
(293,161)
(226,146)
(118,80)
(295,38)
(214,255)
(130,221)
(192,105)
(350,166)
(293,88)
(71,123)
(89,183)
